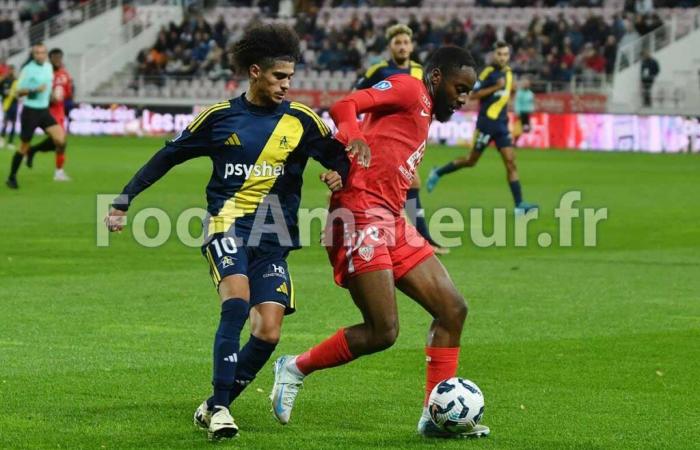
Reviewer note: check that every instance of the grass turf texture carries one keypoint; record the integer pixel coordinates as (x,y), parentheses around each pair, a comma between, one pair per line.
(573,347)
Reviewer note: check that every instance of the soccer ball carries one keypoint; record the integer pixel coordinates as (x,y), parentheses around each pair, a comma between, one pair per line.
(456,405)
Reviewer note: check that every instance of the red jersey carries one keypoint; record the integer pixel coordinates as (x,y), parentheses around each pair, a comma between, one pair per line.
(398,112)
(62,90)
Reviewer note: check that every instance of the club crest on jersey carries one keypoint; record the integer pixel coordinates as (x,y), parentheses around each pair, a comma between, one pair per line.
(383,85)
(283,143)
(226,261)
(366,252)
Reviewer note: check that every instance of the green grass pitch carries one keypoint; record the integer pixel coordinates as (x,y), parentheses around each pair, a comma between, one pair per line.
(590,348)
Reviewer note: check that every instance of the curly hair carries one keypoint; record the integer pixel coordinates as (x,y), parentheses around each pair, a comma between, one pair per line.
(263,45)
(449,59)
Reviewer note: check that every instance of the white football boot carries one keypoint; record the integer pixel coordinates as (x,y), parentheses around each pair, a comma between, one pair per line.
(221,424)
(287,384)
(427,428)
(60,175)
(202,416)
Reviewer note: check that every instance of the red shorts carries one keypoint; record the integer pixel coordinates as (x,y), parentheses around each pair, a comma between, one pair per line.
(374,244)
(60,115)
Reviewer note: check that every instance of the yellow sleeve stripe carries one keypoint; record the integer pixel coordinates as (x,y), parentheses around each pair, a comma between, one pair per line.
(374,68)
(202,116)
(322,127)
(485,73)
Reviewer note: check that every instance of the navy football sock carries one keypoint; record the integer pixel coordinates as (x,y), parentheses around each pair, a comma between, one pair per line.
(416,213)
(516,191)
(447,168)
(16,162)
(234,313)
(252,357)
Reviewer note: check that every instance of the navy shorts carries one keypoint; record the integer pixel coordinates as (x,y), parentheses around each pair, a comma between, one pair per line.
(487,131)
(266,270)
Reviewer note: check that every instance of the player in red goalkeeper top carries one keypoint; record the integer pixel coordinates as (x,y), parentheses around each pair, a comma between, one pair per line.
(61,91)
(372,248)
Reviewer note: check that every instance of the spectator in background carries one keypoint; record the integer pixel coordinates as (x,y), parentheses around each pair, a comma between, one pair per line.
(7,27)
(524,105)
(609,53)
(650,70)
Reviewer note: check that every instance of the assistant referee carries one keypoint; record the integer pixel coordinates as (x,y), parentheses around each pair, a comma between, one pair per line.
(35,82)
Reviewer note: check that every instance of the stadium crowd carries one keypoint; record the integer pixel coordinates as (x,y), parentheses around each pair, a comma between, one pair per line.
(552,48)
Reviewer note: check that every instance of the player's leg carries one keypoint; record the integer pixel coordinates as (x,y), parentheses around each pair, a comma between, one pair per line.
(13,123)
(508,156)
(29,124)
(46,145)
(415,212)
(272,296)
(58,136)
(373,294)
(481,141)
(228,267)
(430,285)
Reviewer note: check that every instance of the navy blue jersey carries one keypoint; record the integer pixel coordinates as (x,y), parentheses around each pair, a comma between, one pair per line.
(258,157)
(385,69)
(495,106)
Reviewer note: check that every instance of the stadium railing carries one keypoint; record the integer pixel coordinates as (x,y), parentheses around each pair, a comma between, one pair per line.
(54,26)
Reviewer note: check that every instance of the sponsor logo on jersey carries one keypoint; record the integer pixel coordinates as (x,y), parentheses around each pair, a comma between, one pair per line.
(253,170)
(383,85)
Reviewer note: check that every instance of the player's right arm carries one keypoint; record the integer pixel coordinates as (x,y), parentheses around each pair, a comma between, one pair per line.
(488,90)
(391,94)
(194,141)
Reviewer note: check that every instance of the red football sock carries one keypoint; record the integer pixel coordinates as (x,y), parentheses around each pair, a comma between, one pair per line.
(442,364)
(332,352)
(60,159)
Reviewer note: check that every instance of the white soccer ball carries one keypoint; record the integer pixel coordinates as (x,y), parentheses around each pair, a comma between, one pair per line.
(456,405)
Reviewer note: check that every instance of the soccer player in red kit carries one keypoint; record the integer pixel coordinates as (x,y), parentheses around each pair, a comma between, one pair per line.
(62,90)
(373,249)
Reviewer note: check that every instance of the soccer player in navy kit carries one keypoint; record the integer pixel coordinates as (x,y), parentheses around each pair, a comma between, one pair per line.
(493,91)
(259,145)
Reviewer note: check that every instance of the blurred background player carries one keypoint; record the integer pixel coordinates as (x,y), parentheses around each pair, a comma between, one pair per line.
(400,47)
(258,130)
(493,91)
(35,81)
(8,88)
(524,105)
(62,90)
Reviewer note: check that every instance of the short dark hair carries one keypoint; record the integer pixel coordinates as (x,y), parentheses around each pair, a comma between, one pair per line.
(265,44)
(500,44)
(55,51)
(449,59)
